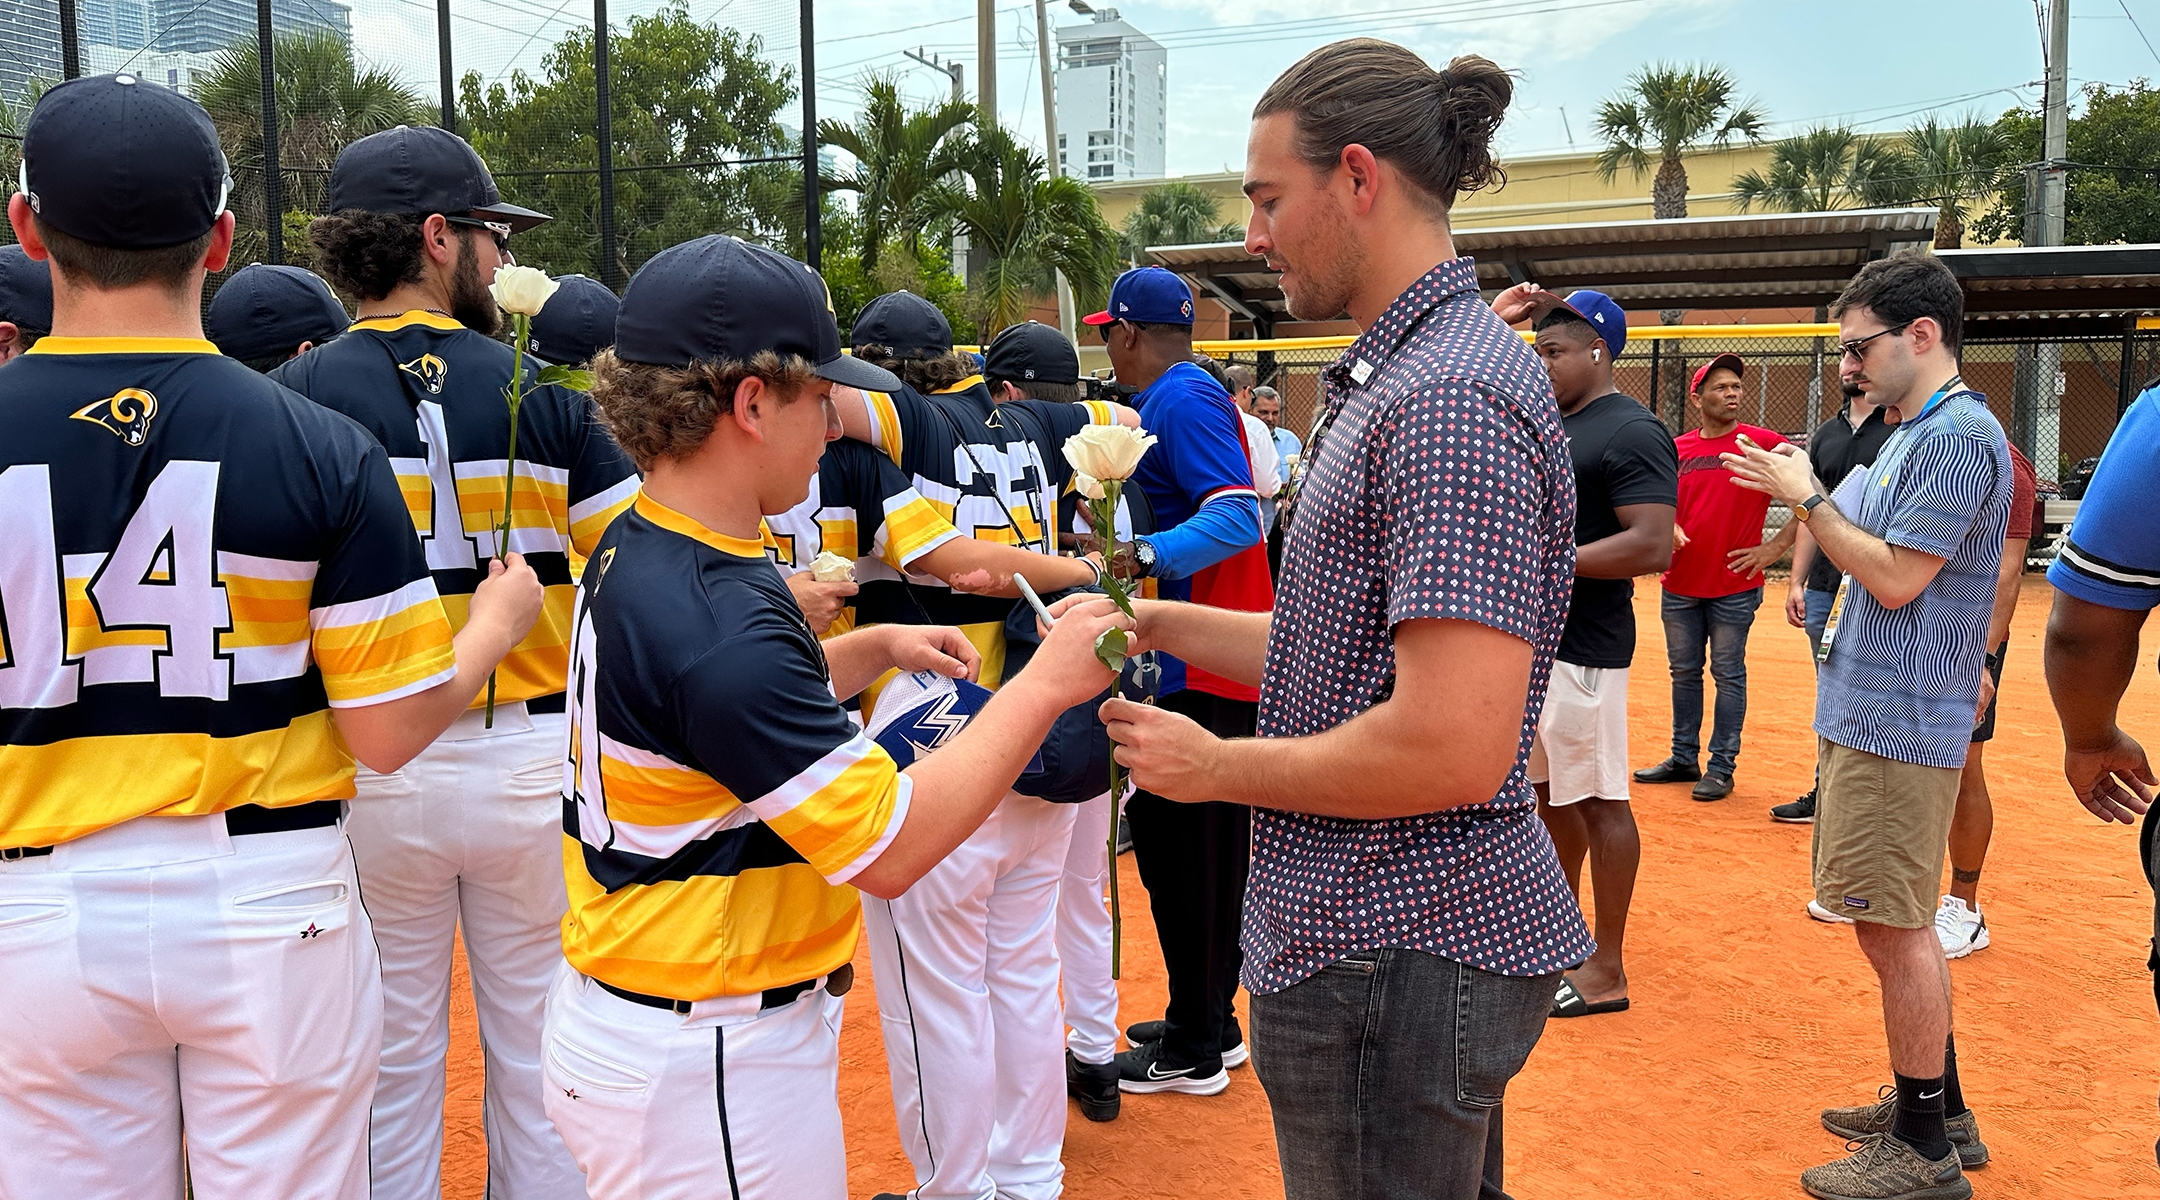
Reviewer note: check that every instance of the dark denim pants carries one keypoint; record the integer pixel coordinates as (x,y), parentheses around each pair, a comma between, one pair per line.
(1721,625)
(1385,1072)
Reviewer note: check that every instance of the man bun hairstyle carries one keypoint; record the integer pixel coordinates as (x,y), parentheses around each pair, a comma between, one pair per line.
(655,412)
(1906,287)
(1436,127)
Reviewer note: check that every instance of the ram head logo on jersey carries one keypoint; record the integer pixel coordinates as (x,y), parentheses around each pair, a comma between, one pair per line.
(429,370)
(126,412)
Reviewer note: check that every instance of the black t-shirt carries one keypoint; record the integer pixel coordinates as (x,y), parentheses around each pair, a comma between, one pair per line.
(1623,455)
(1835,448)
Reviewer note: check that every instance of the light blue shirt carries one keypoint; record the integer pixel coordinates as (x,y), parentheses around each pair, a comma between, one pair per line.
(1286,444)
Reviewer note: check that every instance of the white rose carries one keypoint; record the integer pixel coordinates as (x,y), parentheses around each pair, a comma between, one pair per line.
(1107,451)
(1089,486)
(522,290)
(828,567)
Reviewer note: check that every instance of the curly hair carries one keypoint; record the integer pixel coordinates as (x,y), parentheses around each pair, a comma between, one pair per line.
(925,375)
(366,255)
(657,412)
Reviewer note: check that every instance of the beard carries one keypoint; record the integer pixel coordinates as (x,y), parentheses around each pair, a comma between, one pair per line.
(471,304)
(1331,263)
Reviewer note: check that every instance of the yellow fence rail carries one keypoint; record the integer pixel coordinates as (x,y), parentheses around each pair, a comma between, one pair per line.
(1655,333)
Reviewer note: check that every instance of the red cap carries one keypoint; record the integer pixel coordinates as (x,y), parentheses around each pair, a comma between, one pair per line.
(1730,362)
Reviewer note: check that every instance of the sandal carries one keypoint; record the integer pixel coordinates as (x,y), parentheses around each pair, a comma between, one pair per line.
(1570,1003)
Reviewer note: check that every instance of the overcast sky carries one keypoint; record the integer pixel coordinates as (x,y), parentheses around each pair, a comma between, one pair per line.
(1873,63)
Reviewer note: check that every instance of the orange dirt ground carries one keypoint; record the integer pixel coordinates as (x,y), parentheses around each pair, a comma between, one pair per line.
(1748,1016)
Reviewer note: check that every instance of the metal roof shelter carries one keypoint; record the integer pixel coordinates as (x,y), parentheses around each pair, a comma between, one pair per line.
(1772,260)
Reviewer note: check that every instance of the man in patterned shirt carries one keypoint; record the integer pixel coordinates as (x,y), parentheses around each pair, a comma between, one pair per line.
(1407,920)
(1919,538)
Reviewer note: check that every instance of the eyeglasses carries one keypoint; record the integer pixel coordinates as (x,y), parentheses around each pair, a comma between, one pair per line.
(498,228)
(1856,349)
(1107,326)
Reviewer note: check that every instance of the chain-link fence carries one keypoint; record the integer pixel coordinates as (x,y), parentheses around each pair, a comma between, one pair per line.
(701,130)
(1792,383)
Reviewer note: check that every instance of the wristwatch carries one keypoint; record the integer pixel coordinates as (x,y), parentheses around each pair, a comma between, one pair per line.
(1806,508)
(1143,552)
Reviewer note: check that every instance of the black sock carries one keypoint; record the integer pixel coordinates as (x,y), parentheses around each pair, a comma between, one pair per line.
(1953,1095)
(1918,1121)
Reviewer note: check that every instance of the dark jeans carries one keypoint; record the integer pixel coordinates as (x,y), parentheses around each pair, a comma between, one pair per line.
(1385,1072)
(1193,860)
(1722,626)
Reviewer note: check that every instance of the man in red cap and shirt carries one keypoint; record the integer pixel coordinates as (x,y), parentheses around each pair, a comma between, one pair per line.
(1715,584)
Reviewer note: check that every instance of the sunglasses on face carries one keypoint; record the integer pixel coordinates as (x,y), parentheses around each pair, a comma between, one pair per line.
(1856,349)
(500,230)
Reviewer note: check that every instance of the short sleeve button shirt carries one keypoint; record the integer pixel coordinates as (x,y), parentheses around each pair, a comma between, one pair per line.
(1442,487)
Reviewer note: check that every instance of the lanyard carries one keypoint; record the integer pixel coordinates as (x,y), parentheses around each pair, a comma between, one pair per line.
(1956,383)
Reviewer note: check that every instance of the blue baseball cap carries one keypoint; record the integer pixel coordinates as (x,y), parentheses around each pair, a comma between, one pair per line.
(1149,295)
(267,311)
(1599,310)
(904,323)
(420,169)
(718,299)
(120,163)
(577,322)
(25,289)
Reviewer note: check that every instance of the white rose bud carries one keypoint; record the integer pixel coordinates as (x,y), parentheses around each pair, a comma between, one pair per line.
(1089,486)
(828,567)
(522,291)
(1107,451)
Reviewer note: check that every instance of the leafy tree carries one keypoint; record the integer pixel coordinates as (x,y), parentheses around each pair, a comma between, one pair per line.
(2114,191)
(899,152)
(1665,112)
(687,97)
(1027,226)
(1951,166)
(1825,168)
(1175,214)
(897,270)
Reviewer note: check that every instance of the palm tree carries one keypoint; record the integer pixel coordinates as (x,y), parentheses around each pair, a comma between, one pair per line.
(1824,168)
(1667,111)
(1175,214)
(1027,226)
(900,152)
(1952,167)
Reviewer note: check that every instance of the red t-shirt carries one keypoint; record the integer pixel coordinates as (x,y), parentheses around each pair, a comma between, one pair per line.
(2024,495)
(1718,515)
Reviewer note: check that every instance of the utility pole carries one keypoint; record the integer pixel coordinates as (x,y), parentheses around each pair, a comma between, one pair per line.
(273,173)
(2054,178)
(813,231)
(1050,150)
(604,138)
(986,62)
(957,253)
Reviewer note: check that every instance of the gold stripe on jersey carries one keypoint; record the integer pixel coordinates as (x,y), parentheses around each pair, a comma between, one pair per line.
(675,522)
(1100,412)
(591,517)
(122,345)
(61,791)
(842,810)
(416,316)
(536,665)
(913,528)
(380,649)
(961,386)
(884,423)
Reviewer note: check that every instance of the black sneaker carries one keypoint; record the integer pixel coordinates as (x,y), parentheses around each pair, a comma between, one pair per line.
(1234,1055)
(1094,1086)
(1713,787)
(1141,1070)
(1124,836)
(1672,770)
(1800,811)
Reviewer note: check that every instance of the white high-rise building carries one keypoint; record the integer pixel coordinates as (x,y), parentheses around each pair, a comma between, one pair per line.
(1113,90)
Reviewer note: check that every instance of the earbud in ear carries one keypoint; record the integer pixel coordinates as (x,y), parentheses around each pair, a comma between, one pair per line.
(1596,355)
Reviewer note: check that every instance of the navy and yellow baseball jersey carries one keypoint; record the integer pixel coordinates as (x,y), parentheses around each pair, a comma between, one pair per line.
(431,391)
(860,507)
(987,470)
(197,566)
(717,799)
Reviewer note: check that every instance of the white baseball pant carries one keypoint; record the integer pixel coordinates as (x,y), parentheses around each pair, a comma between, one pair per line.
(468,834)
(967,975)
(163,967)
(1083,936)
(729,1101)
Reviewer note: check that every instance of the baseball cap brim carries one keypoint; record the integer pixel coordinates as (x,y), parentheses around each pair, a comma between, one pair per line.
(1101,318)
(518,219)
(856,373)
(1730,361)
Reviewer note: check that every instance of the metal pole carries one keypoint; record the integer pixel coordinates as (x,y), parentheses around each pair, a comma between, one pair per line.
(2126,388)
(813,233)
(1050,151)
(986,62)
(273,174)
(442,65)
(2055,128)
(604,134)
(70,42)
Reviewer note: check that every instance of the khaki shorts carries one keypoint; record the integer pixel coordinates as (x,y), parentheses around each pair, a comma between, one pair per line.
(1881,830)
(1581,746)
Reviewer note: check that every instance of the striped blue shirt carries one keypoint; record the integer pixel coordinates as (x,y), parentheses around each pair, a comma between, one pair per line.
(1904,683)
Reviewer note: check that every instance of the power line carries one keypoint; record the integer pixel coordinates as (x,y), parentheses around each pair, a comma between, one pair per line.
(2140,31)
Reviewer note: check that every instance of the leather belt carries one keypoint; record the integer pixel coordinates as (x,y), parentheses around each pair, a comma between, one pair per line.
(239,822)
(837,983)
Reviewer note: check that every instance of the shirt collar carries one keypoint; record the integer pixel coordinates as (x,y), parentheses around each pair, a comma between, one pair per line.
(415,316)
(675,522)
(121,345)
(1376,345)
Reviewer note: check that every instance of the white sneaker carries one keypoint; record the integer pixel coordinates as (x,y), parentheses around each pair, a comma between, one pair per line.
(1961,930)
(1817,911)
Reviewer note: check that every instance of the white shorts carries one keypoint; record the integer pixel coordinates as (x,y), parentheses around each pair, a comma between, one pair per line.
(1581,744)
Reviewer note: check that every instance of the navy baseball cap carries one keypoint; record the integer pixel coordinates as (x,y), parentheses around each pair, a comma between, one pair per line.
(1031,352)
(577,322)
(906,324)
(421,169)
(269,310)
(719,298)
(1149,295)
(1597,308)
(116,162)
(25,289)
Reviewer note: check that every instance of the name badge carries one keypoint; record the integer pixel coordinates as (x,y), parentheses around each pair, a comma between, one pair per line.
(1837,613)
(1361,372)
